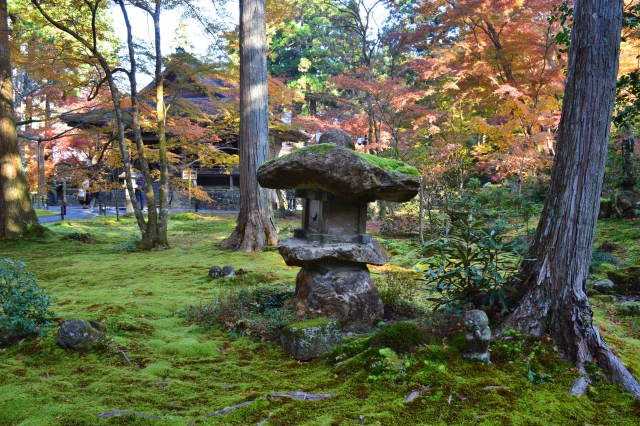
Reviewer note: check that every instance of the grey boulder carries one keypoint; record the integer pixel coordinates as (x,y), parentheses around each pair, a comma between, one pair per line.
(604,286)
(338,138)
(310,339)
(228,271)
(215,272)
(625,203)
(77,333)
(343,293)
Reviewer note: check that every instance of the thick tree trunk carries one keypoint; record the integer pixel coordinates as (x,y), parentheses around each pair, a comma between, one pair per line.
(553,298)
(255,227)
(16,212)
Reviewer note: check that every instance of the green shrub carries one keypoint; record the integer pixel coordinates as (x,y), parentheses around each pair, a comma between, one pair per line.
(258,312)
(402,337)
(599,257)
(470,265)
(474,183)
(24,307)
(397,291)
(130,246)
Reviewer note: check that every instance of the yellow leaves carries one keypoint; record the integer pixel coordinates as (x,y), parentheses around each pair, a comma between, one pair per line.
(304,65)
(451,86)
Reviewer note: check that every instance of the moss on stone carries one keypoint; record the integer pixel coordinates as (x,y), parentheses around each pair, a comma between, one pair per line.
(316,322)
(390,164)
(309,339)
(317,148)
(387,164)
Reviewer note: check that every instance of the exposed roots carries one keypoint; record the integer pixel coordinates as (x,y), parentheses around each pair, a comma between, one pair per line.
(251,235)
(567,318)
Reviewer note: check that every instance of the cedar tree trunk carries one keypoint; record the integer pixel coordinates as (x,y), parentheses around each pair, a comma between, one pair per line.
(553,299)
(16,212)
(255,227)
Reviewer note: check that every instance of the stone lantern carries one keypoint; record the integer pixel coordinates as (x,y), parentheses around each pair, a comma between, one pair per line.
(332,246)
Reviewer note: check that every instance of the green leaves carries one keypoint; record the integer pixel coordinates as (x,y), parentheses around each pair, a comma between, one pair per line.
(24,307)
(470,265)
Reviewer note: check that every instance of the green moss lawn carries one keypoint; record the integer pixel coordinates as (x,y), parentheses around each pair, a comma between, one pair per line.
(184,372)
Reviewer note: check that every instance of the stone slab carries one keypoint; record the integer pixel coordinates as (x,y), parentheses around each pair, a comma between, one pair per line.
(301,252)
(339,171)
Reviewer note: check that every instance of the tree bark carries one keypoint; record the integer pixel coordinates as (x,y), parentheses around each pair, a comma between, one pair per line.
(161,225)
(148,228)
(255,227)
(16,211)
(91,45)
(552,293)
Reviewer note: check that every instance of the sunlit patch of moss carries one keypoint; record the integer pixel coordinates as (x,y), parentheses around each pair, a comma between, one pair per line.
(390,164)
(45,213)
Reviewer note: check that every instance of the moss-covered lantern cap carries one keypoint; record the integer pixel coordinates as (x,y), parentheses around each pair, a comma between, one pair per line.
(342,172)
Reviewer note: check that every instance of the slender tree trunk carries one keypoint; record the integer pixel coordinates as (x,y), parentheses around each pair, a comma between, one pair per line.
(421,210)
(553,298)
(16,211)
(255,227)
(161,225)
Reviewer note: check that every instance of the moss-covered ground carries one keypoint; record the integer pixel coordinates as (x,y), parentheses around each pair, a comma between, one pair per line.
(184,372)
(45,213)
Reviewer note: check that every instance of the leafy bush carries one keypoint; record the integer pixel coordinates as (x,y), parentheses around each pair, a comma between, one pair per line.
(470,265)
(24,307)
(402,337)
(599,257)
(130,246)
(258,312)
(474,183)
(397,290)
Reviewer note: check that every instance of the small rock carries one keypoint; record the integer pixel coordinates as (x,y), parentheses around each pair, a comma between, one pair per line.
(338,138)
(77,333)
(303,396)
(603,286)
(416,393)
(310,339)
(215,272)
(628,308)
(579,387)
(228,271)
(229,409)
